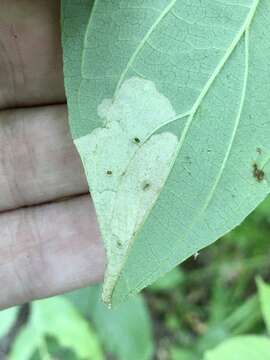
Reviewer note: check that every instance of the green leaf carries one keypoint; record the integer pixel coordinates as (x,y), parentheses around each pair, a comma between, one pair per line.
(25,344)
(58,318)
(75,16)
(173,128)
(241,348)
(125,332)
(244,318)
(182,354)
(264,295)
(169,281)
(7,319)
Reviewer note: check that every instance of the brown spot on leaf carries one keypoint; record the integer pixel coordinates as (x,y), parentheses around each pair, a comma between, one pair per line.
(258,173)
(136,140)
(146,185)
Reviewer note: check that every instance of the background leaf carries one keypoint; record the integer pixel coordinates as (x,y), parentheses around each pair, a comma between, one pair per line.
(264,295)
(241,348)
(25,344)
(126,332)
(178,354)
(58,318)
(7,319)
(169,281)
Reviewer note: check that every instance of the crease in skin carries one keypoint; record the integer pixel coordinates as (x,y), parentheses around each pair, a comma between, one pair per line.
(24,249)
(47,261)
(15,66)
(9,69)
(36,146)
(14,236)
(30,54)
(19,75)
(9,166)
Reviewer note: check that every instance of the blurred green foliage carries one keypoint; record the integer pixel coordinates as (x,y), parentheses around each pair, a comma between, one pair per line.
(264,294)
(209,308)
(241,348)
(57,318)
(7,318)
(130,322)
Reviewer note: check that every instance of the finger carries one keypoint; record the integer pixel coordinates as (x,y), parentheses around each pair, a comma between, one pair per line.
(49,250)
(38,161)
(30,53)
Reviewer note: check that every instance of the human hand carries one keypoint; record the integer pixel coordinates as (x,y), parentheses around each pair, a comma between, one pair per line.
(49,241)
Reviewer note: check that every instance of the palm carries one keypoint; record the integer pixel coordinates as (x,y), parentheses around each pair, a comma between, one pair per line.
(48,233)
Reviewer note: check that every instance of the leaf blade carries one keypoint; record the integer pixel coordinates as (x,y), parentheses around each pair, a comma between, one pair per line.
(202,59)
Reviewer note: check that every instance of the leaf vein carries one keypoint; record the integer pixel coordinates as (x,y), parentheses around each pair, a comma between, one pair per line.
(236,126)
(144,40)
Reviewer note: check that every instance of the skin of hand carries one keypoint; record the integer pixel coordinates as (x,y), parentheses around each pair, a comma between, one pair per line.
(49,238)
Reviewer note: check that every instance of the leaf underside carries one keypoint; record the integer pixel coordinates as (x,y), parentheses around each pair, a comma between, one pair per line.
(169,110)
